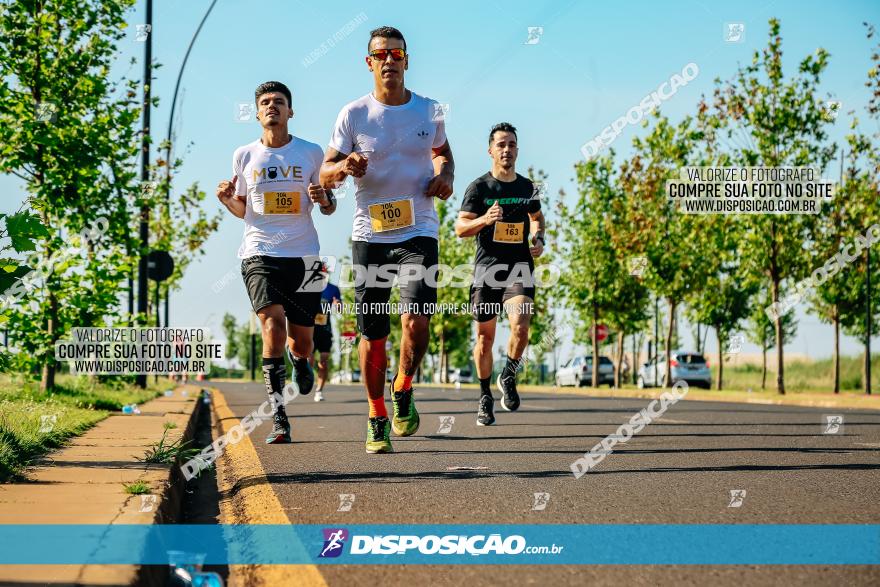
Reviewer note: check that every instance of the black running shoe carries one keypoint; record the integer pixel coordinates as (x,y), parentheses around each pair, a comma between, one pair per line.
(509,396)
(280,430)
(305,377)
(486,412)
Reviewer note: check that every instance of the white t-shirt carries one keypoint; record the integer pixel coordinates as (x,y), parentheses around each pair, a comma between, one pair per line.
(264,172)
(398,142)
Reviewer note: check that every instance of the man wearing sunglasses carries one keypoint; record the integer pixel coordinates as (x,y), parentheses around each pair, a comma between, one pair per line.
(393,143)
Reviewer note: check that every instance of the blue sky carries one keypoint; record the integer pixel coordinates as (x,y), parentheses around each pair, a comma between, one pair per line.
(592,63)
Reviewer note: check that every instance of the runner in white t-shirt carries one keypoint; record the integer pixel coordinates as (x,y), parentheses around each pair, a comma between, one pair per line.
(393,143)
(274,187)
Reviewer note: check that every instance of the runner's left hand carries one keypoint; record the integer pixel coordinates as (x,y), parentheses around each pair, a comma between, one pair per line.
(537,247)
(440,186)
(318,195)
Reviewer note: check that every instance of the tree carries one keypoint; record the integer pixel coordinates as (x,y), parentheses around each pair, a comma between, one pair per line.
(724,305)
(63,126)
(182,225)
(655,225)
(859,315)
(723,300)
(762,331)
(451,331)
(836,297)
(543,329)
(628,315)
(238,341)
(587,282)
(772,121)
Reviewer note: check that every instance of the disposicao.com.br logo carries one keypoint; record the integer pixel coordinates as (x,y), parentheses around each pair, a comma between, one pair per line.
(334,541)
(431,544)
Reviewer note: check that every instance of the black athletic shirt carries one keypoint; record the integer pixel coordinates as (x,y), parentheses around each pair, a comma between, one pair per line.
(517,199)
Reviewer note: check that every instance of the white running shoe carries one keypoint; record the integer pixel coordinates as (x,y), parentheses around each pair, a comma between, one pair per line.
(319,397)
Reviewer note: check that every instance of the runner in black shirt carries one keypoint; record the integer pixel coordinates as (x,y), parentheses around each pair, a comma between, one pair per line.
(502,210)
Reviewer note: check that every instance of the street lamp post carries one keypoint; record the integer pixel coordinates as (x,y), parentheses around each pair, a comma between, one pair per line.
(143,284)
(170,130)
(868,321)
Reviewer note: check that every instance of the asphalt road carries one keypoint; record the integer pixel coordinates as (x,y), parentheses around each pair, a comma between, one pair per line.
(679,470)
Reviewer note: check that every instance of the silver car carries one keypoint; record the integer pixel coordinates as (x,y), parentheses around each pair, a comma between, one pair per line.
(686,366)
(579,371)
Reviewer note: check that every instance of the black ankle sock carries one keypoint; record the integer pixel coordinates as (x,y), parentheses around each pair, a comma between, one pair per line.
(274,376)
(485,389)
(511,367)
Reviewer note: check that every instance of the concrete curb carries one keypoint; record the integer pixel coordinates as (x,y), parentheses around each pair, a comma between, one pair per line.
(253,502)
(88,488)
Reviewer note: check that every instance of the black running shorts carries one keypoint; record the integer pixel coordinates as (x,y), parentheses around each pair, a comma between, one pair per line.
(284,281)
(323,339)
(375,264)
(488,295)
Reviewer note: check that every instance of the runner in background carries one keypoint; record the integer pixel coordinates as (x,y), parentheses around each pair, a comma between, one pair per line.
(501,209)
(323,338)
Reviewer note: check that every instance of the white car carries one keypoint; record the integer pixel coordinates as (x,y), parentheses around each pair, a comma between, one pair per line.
(579,371)
(463,375)
(686,366)
(346,376)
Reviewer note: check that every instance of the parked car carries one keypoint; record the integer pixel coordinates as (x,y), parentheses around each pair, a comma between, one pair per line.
(346,376)
(461,375)
(579,371)
(686,366)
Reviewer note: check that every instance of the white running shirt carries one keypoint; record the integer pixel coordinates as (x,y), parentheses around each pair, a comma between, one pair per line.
(265,173)
(398,142)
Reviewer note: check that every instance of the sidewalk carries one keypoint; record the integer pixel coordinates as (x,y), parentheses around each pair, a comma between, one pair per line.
(82,483)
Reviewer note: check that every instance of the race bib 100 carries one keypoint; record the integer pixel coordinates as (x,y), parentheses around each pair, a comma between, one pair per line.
(392,215)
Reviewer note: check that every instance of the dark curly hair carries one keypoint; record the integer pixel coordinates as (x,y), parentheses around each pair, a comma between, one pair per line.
(502,127)
(267,87)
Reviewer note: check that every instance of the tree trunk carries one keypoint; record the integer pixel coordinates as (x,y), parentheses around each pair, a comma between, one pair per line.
(668,351)
(836,319)
(618,375)
(636,359)
(444,376)
(47,381)
(595,336)
(720,384)
(763,365)
(780,365)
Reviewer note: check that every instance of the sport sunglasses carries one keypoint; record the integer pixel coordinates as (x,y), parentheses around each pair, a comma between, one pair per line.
(382,54)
